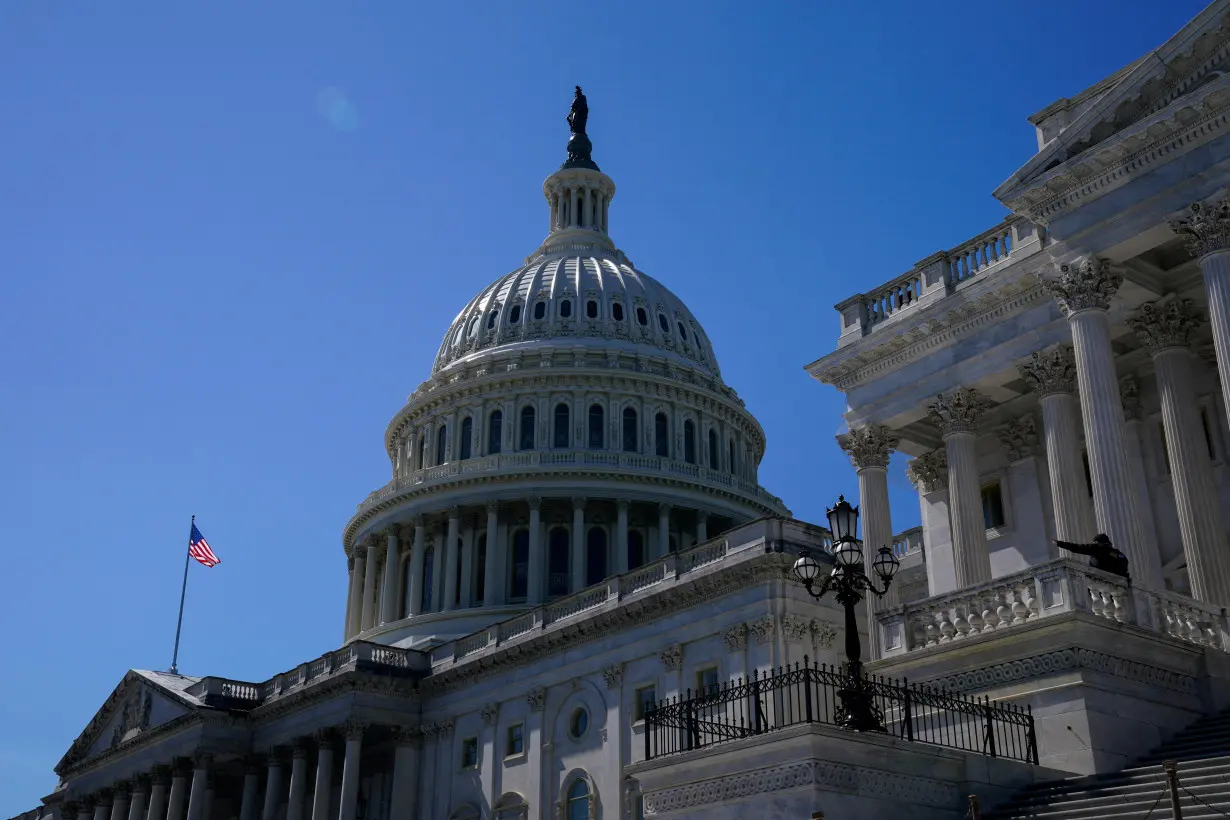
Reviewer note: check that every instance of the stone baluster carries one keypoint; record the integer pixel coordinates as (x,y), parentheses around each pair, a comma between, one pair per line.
(375,551)
(1207,230)
(578,544)
(493,590)
(160,779)
(538,562)
(200,783)
(1053,376)
(869,449)
(322,794)
(1084,291)
(1166,329)
(273,786)
(298,780)
(929,474)
(139,795)
(356,590)
(956,414)
(388,601)
(350,770)
(403,802)
(453,558)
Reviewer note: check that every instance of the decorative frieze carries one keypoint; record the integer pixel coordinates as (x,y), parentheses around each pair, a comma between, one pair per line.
(1165,324)
(1051,371)
(1088,284)
(1206,229)
(958,411)
(929,472)
(613,675)
(672,657)
(796,629)
(823,634)
(762,629)
(1065,660)
(735,637)
(1019,438)
(869,446)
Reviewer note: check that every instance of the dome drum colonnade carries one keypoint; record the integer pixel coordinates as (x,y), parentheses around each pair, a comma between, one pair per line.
(576,410)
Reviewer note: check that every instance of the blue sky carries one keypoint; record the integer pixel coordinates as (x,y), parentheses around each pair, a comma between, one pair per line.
(234,233)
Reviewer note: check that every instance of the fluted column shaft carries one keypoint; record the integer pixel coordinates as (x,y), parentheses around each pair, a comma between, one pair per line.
(664,529)
(136,804)
(273,789)
(178,796)
(298,784)
(1114,486)
(102,810)
(702,526)
(369,615)
(350,775)
(621,537)
(416,569)
(1201,522)
(324,781)
(349,597)
(356,591)
(468,555)
(578,544)
(403,805)
(85,812)
(200,783)
(1216,269)
(970,554)
(453,559)
(392,562)
(119,805)
(157,809)
(493,590)
(877,524)
(538,563)
(251,791)
(1069,495)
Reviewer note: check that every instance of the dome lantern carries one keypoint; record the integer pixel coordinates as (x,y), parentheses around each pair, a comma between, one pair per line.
(578,194)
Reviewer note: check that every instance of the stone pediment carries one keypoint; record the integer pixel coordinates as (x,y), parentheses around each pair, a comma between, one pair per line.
(1195,57)
(140,703)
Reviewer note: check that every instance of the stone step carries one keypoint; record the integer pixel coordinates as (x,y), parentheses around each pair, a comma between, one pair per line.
(1134,774)
(1143,786)
(1135,809)
(1210,793)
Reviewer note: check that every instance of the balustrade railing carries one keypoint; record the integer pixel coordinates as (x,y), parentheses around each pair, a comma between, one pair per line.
(809,693)
(908,541)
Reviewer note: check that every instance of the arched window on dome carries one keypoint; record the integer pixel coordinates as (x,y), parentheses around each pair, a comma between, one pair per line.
(636,549)
(495,426)
(642,318)
(429,567)
(617,312)
(514,315)
(629,430)
(519,581)
(731,454)
(557,562)
(597,421)
(480,569)
(577,801)
(527,428)
(683,334)
(662,435)
(494,315)
(595,556)
(663,323)
(540,310)
(422,446)
(565,308)
(591,309)
(713,449)
(689,442)
(441,444)
(560,435)
(467,438)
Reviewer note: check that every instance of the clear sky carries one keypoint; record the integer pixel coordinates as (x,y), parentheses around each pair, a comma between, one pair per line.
(234,232)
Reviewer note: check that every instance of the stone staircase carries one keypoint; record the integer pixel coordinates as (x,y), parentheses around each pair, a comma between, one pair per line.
(1202,752)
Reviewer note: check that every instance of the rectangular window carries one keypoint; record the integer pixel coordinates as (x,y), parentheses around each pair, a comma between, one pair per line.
(646,696)
(992,506)
(515,744)
(469,753)
(707,681)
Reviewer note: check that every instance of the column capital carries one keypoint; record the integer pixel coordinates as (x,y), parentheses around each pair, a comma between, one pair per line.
(1129,393)
(537,699)
(1164,325)
(534,502)
(354,729)
(622,504)
(160,775)
(202,760)
(69,809)
(418,520)
(493,508)
(1048,372)
(1019,438)
(1206,228)
(324,737)
(299,748)
(469,520)
(121,790)
(392,533)
(252,765)
(869,446)
(578,502)
(929,472)
(664,508)
(957,411)
(1085,284)
(359,552)
(453,512)
(407,736)
(103,797)
(139,784)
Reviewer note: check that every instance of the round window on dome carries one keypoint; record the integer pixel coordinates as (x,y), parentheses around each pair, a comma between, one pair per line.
(540,310)
(565,308)
(578,724)
(617,312)
(514,315)
(683,334)
(642,318)
(591,309)
(663,323)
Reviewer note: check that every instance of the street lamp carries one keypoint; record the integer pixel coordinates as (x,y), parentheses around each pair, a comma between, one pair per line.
(849,580)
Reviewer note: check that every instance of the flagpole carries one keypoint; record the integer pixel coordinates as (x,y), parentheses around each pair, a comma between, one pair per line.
(182,592)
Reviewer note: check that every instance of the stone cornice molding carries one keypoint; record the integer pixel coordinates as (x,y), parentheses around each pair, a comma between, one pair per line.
(929,472)
(957,411)
(1207,228)
(1019,438)
(1064,660)
(68,769)
(869,446)
(1165,325)
(1050,372)
(339,684)
(1085,284)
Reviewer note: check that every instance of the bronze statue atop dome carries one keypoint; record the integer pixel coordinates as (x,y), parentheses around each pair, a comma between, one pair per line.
(579,146)
(578,115)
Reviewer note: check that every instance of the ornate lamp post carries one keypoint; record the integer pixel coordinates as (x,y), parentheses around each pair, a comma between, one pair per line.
(849,581)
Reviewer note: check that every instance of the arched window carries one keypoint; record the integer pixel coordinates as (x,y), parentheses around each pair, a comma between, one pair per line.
(595,556)
(514,315)
(642,318)
(596,423)
(630,430)
(429,566)
(689,442)
(683,334)
(495,314)
(557,562)
(441,443)
(511,806)
(519,585)
(663,323)
(565,308)
(495,425)
(731,453)
(617,312)
(636,549)
(560,435)
(576,805)
(662,435)
(480,569)
(527,428)
(467,436)
(591,309)
(422,446)
(713,449)
(540,310)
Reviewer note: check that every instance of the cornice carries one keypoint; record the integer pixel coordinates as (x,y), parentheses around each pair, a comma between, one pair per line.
(346,682)
(175,726)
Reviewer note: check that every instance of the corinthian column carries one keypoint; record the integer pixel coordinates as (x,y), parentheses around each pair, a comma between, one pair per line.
(538,561)
(869,449)
(1166,329)
(578,544)
(1129,393)
(417,565)
(388,603)
(368,613)
(929,474)
(1053,376)
(452,559)
(356,590)
(1208,238)
(1020,441)
(1084,291)
(956,414)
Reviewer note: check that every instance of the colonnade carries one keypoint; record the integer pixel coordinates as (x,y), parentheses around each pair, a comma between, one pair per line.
(510,553)
(185,789)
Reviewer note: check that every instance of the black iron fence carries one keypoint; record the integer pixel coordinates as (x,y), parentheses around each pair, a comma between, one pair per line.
(808,693)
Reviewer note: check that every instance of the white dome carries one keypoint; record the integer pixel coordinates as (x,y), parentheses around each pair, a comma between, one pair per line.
(593,298)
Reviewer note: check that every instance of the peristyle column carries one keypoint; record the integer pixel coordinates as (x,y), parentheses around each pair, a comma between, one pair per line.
(956,414)
(1134,427)
(702,526)
(1166,330)
(298,781)
(248,806)
(1052,374)
(578,544)
(453,558)
(324,775)
(374,553)
(538,563)
(621,536)
(929,474)
(350,595)
(179,790)
(1084,290)
(469,547)
(273,786)
(200,782)
(493,591)
(119,802)
(356,590)
(416,566)
(102,808)
(664,530)
(136,803)
(1207,230)
(392,563)
(350,771)
(869,449)
(159,780)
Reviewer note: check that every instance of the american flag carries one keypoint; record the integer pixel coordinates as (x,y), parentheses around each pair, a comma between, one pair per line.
(199,549)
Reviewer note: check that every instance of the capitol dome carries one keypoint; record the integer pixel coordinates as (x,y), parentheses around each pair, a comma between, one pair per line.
(574,433)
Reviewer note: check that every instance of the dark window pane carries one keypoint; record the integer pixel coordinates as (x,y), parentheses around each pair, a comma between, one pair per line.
(713,450)
(642,318)
(467,436)
(689,442)
(540,310)
(629,430)
(560,438)
(595,556)
(565,308)
(992,506)
(557,562)
(520,564)
(591,309)
(527,428)
(494,426)
(662,323)
(617,312)
(515,315)
(636,549)
(441,444)
(596,422)
(662,435)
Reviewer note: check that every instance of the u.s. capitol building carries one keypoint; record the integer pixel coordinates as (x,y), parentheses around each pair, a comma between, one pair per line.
(573,534)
